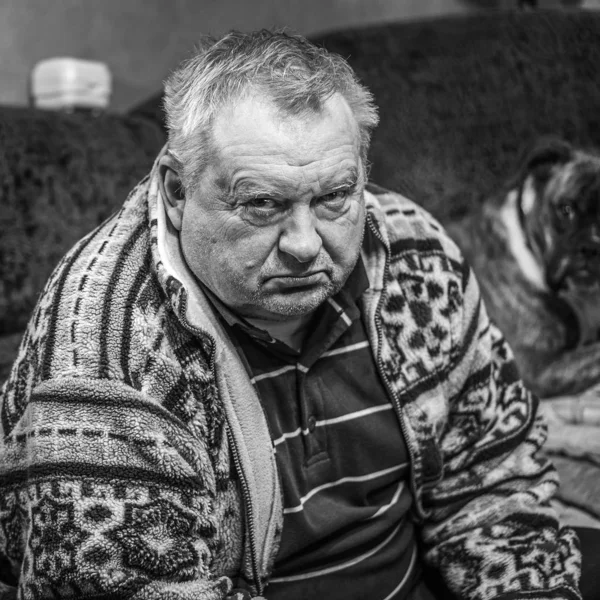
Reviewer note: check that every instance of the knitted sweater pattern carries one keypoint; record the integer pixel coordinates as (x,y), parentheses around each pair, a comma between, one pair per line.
(116,473)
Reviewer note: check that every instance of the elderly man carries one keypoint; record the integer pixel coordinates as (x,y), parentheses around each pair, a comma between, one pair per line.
(264,377)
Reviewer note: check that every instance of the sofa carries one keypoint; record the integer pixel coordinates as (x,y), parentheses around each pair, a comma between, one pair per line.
(459,97)
(61,175)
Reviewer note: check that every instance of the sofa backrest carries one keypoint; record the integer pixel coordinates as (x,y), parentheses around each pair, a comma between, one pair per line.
(61,175)
(462,98)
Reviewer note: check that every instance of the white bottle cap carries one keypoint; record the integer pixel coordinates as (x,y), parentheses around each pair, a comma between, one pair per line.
(68,83)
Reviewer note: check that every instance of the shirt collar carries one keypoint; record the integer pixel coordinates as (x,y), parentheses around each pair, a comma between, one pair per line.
(357,282)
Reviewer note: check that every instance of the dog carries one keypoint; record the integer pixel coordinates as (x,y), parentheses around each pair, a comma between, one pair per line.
(535,249)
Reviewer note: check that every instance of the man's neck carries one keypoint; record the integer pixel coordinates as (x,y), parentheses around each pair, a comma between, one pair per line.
(290,331)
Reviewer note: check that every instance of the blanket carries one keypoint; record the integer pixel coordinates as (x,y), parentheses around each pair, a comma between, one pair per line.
(574,446)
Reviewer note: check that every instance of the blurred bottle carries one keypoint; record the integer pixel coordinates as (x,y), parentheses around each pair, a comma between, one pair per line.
(71,84)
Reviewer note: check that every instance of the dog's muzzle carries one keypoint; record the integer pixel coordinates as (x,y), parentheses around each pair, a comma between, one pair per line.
(575,263)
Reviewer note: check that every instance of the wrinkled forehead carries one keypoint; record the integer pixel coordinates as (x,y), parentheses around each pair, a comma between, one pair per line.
(252,123)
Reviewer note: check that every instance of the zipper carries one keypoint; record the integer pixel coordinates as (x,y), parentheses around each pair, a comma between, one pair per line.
(387,385)
(249,512)
(248,508)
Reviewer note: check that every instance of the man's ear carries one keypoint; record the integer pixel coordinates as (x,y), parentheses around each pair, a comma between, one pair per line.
(171,189)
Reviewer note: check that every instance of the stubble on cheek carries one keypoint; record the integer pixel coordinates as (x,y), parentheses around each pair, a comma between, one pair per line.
(241,255)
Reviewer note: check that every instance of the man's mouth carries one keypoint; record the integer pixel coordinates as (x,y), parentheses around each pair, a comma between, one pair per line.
(293,281)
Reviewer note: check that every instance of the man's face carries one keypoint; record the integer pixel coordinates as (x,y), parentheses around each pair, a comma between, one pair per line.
(275,224)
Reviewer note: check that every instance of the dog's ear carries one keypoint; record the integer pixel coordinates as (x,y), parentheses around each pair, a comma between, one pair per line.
(547,153)
(536,167)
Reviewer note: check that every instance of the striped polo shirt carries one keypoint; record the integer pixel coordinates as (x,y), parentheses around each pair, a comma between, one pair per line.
(341,457)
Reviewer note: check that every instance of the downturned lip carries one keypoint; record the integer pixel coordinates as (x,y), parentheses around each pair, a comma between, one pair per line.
(294,276)
(290,279)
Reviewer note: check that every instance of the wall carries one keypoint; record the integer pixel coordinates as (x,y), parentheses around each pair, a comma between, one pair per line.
(141,40)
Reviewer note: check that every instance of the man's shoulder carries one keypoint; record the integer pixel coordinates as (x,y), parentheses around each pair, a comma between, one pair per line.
(122,236)
(408,226)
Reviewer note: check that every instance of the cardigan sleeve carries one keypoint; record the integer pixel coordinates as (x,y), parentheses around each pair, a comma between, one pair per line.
(491,531)
(105,494)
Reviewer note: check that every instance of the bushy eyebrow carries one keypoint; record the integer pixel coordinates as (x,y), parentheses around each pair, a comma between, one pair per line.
(353,178)
(250,189)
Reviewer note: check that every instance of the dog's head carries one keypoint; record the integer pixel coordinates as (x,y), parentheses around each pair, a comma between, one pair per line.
(559,205)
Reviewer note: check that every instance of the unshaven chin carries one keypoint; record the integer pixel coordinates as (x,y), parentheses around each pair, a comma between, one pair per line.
(284,306)
(288,321)
(266,305)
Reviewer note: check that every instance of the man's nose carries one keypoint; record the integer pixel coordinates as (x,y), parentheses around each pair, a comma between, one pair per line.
(299,237)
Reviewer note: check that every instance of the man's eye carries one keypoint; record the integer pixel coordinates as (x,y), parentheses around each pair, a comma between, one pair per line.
(334,198)
(265,204)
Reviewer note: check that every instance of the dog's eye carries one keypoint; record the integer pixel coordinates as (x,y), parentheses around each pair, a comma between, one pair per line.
(566,211)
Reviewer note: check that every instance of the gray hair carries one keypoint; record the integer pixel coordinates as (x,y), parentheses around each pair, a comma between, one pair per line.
(295,74)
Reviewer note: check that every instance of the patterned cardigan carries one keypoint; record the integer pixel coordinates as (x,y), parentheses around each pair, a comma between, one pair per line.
(135,460)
